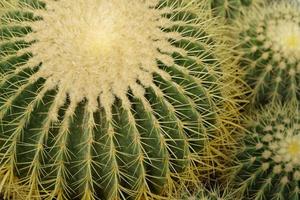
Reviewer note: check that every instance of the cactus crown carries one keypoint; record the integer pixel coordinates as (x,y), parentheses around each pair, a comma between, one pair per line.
(110,99)
(270,162)
(102,49)
(283,34)
(270,52)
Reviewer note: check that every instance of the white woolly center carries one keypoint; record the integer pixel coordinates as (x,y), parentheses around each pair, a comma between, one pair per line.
(289,149)
(285,35)
(282,148)
(101,49)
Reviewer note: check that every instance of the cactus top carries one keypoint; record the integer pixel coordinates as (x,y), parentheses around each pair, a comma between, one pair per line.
(283,35)
(275,29)
(283,147)
(270,51)
(270,160)
(101,49)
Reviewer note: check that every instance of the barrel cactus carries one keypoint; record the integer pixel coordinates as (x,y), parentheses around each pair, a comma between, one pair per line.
(110,99)
(270,160)
(270,52)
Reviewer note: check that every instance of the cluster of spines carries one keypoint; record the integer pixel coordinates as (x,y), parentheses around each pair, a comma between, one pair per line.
(62,150)
(209,192)
(229,9)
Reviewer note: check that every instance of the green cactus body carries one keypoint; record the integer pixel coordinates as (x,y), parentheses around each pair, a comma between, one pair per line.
(270,161)
(228,9)
(110,99)
(270,52)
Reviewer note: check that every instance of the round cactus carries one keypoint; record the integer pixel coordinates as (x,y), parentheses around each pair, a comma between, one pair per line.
(270,52)
(110,99)
(270,160)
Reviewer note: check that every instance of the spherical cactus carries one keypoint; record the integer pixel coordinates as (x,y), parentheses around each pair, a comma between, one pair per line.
(110,99)
(270,160)
(270,52)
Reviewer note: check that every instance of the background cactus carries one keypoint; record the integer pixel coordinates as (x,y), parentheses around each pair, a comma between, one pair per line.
(111,99)
(270,160)
(270,52)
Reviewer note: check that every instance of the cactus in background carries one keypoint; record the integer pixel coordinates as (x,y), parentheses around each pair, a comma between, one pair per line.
(270,160)
(229,9)
(270,52)
(111,99)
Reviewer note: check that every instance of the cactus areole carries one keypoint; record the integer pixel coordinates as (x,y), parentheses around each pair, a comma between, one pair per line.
(107,99)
